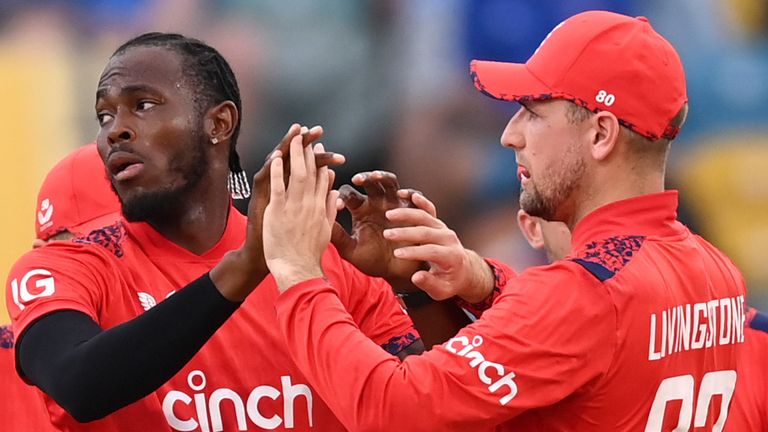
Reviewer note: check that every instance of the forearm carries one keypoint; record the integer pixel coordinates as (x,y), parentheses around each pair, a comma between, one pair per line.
(92,373)
(366,388)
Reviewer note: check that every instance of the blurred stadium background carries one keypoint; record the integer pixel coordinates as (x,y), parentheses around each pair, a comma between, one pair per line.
(388,80)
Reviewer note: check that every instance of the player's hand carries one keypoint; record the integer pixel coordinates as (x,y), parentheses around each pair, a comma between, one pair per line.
(453,269)
(299,217)
(366,248)
(246,267)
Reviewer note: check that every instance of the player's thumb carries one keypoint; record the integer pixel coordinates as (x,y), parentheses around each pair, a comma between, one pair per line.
(430,284)
(343,242)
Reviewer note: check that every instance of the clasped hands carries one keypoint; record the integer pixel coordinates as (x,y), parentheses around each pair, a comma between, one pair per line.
(395,233)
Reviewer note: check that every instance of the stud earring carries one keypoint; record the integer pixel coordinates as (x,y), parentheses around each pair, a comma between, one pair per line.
(214,140)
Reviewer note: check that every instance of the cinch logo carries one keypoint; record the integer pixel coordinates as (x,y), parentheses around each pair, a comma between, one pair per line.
(211,408)
(20,290)
(461,346)
(45,213)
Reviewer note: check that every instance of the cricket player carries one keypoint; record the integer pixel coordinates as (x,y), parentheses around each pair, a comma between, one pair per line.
(638,330)
(74,198)
(165,319)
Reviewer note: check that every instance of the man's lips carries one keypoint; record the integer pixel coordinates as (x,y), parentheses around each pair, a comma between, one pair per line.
(124,166)
(523,174)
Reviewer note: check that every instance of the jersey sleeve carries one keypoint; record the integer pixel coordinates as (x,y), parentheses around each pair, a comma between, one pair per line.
(539,343)
(60,276)
(502,273)
(373,306)
(750,400)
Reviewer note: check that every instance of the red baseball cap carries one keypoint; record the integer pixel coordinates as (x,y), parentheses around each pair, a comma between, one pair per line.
(601,61)
(76,196)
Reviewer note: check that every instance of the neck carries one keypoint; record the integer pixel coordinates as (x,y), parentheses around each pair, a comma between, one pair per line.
(615,187)
(201,221)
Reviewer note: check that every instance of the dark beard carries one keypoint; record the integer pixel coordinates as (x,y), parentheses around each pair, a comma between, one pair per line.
(163,207)
(548,204)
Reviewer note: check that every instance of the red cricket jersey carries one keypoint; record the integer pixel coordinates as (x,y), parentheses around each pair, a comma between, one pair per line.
(21,405)
(243,378)
(637,329)
(749,411)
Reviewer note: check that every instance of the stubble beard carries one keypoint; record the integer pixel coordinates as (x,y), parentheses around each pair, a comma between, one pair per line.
(164,206)
(546,199)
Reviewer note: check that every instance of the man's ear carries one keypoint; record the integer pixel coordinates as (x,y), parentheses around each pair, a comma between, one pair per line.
(220,122)
(531,228)
(604,134)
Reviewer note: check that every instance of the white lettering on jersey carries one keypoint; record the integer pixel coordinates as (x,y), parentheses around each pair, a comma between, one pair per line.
(147,301)
(20,290)
(461,346)
(211,410)
(45,213)
(695,326)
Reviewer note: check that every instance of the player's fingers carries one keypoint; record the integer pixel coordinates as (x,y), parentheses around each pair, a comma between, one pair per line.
(423,203)
(330,208)
(373,189)
(351,197)
(322,176)
(276,185)
(329,159)
(298,177)
(436,254)
(414,216)
(331,180)
(388,182)
(309,164)
(430,284)
(285,142)
(421,235)
(344,243)
(310,135)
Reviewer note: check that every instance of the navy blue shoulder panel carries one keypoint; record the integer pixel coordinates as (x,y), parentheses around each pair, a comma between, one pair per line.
(605,258)
(600,272)
(6,336)
(109,237)
(759,322)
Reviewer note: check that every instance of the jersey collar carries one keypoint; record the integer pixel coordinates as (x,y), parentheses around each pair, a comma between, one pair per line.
(646,215)
(155,244)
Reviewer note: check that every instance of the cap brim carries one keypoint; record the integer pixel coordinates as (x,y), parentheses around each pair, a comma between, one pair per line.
(507,81)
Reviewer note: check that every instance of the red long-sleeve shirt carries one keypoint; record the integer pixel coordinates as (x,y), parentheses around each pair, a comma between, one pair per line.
(749,411)
(637,330)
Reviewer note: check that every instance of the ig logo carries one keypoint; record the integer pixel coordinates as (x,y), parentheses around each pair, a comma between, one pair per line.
(44,287)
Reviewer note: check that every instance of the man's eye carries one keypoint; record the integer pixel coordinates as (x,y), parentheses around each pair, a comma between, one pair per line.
(145,105)
(103,118)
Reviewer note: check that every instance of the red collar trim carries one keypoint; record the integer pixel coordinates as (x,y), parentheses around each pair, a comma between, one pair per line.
(646,215)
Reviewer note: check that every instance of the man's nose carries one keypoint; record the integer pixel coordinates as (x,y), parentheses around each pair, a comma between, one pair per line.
(513,137)
(121,130)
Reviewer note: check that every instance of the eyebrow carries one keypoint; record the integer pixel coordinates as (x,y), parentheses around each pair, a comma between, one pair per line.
(132,88)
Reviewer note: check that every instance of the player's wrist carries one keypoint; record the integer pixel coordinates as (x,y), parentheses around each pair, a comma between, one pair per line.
(235,276)
(288,274)
(481,280)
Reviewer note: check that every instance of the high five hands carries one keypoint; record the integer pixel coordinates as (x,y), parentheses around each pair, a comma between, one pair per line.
(299,217)
(241,270)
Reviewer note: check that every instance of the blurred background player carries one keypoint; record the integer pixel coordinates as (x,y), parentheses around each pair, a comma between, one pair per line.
(74,199)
